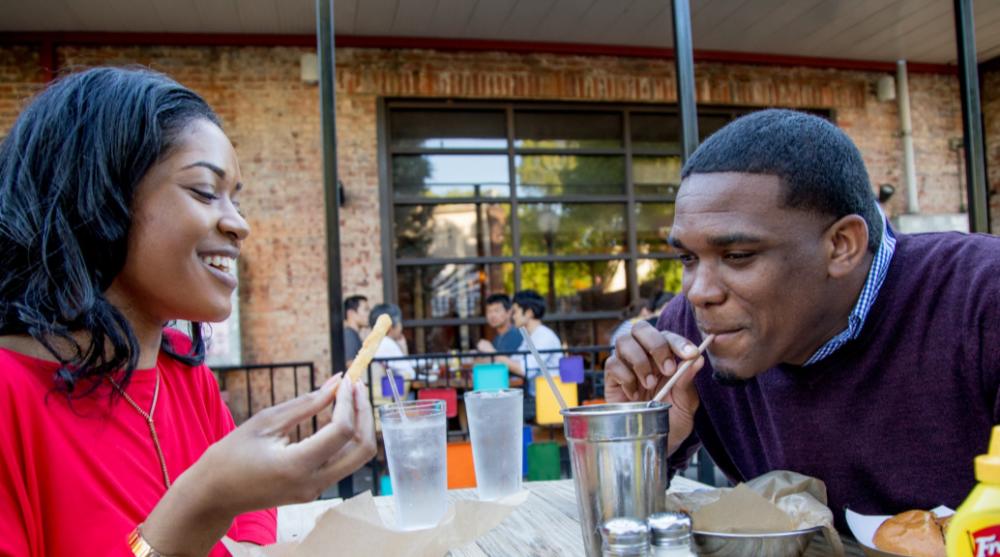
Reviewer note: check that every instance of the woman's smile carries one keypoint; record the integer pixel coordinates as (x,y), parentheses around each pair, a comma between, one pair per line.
(222,267)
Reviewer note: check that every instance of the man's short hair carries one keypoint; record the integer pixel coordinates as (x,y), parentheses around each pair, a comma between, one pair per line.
(499,298)
(392,310)
(352,303)
(819,166)
(529,299)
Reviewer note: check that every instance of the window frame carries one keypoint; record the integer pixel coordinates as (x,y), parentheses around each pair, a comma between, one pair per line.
(631,255)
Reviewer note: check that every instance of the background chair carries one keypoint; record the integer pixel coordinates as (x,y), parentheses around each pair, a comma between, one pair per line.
(526,439)
(490,377)
(461,470)
(385,485)
(571,369)
(543,461)
(449,396)
(387,388)
(546,405)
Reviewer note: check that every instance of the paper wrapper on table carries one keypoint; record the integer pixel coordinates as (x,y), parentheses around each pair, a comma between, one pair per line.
(864,526)
(779,501)
(355,527)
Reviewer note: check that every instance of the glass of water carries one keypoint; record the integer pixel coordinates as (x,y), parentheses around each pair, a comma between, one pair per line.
(414,433)
(496,422)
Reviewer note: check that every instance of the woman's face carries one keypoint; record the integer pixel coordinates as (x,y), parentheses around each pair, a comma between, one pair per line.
(186,233)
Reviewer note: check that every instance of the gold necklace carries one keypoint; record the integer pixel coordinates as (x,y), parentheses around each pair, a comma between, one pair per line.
(149,421)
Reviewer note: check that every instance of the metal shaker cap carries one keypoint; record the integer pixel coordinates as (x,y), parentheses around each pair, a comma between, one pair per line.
(670,528)
(624,534)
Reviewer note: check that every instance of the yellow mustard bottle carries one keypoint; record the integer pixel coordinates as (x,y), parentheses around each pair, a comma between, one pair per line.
(975,529)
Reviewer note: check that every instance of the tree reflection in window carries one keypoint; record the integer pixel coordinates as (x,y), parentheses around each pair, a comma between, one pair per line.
(454,211)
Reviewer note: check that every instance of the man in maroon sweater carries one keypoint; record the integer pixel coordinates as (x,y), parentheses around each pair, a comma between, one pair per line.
(841,351)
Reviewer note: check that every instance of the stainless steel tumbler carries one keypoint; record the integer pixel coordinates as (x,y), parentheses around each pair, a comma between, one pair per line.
(619,458)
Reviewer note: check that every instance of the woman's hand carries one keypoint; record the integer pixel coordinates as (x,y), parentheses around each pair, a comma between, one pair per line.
(256,466)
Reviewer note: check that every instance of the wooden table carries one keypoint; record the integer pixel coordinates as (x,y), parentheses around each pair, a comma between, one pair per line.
(547,524)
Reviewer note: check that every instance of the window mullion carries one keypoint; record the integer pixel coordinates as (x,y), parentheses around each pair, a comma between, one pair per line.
(515,220)
(631,273)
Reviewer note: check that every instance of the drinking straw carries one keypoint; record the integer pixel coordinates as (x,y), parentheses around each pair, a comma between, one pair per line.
(681,370)
(395,391)
(544,368)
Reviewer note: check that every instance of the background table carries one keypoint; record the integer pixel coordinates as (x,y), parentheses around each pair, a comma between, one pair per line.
(547,524)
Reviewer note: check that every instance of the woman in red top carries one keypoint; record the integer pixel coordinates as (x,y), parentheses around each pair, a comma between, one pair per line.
(118,214)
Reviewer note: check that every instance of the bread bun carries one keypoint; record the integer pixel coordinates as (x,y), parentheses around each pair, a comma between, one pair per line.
(913,533)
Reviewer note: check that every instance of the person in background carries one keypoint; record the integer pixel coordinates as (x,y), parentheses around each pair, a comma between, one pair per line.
(119,212)
(393,345)
(499,316)
(355,319)
(649,312)
(654,307)
(528,311)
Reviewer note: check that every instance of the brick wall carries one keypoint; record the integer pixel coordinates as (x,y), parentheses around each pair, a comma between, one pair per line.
(20,77)
(991,118)
(273,119)
(871,124)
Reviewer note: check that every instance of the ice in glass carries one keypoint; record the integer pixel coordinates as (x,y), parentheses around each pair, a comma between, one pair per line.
(496,421)
(415,451)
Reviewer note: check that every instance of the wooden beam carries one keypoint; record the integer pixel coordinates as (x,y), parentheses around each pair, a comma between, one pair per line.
(445,44)
(47,61)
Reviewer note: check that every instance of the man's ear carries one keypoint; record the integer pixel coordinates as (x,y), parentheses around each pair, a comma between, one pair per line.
(846,242)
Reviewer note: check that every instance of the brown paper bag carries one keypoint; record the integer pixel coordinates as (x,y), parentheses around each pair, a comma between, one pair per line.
(355,527)
(778,501)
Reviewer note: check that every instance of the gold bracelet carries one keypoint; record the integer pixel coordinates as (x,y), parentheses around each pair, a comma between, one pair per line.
(139,546)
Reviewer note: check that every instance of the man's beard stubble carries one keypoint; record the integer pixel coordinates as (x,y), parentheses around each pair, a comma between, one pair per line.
(727,378)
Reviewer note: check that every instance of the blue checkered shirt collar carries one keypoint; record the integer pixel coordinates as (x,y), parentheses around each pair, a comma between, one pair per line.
(876,276)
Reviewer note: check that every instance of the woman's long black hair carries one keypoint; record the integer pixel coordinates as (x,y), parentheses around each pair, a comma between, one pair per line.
(68,174)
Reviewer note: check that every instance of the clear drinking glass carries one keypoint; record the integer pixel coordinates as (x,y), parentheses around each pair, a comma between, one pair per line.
(415,451)
(496,421)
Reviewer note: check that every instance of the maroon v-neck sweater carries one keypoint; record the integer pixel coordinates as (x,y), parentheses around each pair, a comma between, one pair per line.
(892,420)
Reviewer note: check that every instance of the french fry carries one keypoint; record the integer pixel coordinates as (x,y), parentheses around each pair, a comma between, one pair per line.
(369,346)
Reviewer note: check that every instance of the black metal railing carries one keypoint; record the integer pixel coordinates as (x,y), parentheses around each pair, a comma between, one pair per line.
(454,369)
(247,389)
(592,388)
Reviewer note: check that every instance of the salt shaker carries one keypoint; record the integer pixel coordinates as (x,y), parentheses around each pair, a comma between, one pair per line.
(670,534)
(625,537)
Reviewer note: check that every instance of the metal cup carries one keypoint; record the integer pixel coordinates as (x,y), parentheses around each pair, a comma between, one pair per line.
(619,458)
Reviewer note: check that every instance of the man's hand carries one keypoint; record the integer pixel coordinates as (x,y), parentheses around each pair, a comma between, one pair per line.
(644,361)
(485,346)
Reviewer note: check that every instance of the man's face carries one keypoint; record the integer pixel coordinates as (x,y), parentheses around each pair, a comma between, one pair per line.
(358,318)
(497,316)
(754,271)
(519,315)
(363,311)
